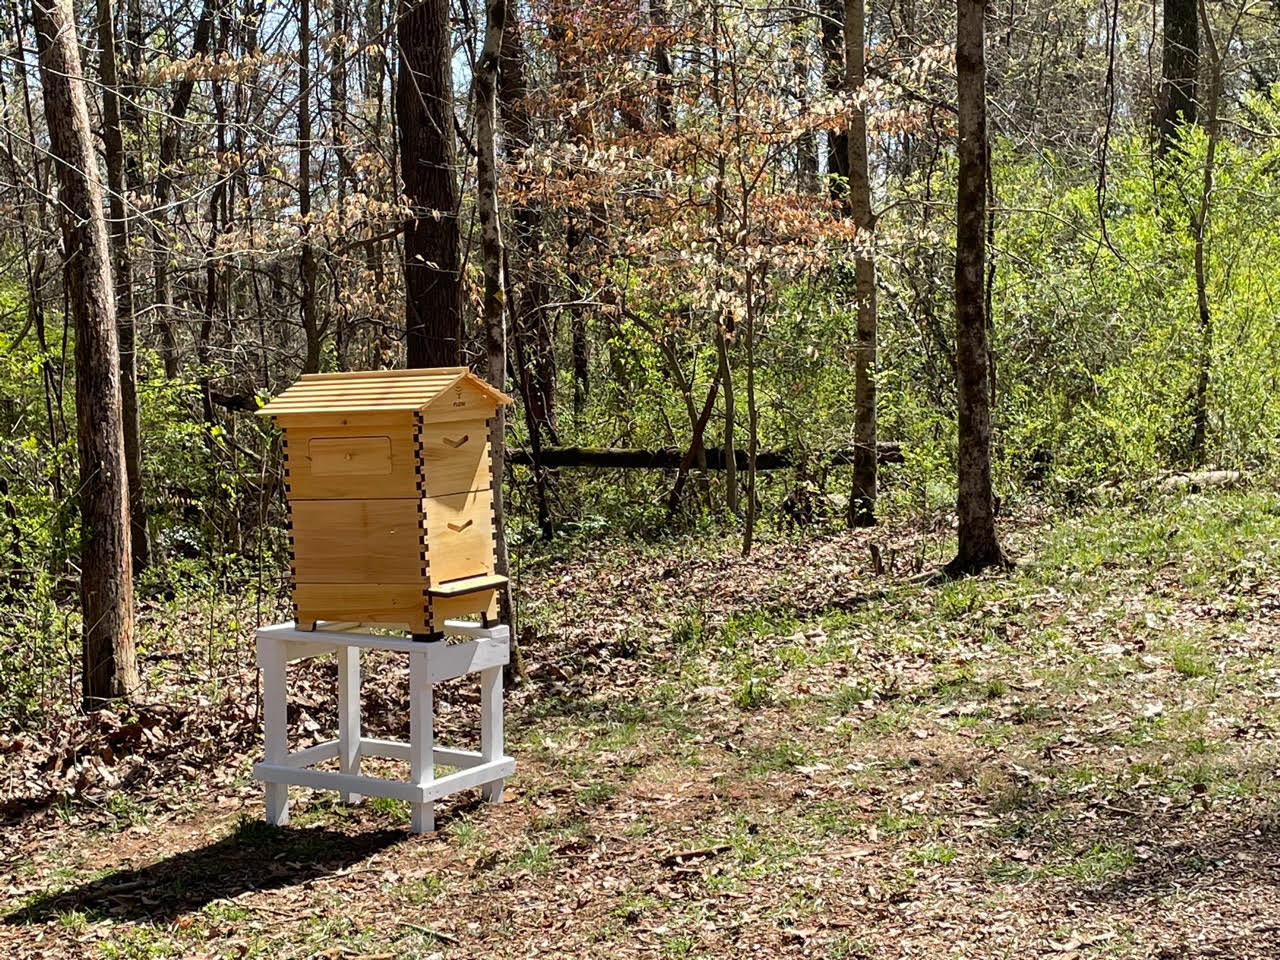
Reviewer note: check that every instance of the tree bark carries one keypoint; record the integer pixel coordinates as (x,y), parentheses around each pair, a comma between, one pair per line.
(807,142)
(108,664)
(730,420)
(1200,229)
(533,324)
(307,260)
(975,507)
(170,144)
(753,421)
(831,17)
(122,264)
(1179,68)
(662,67)
(424,115)
(862,501)
(484,94)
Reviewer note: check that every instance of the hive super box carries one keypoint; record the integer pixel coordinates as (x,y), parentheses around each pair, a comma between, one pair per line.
(389,481)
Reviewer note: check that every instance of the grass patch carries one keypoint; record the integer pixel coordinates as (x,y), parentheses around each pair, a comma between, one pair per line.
(1190,660)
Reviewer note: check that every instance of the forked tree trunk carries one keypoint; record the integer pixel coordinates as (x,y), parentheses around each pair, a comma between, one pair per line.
(122,264)
(862,501)
(975,507)
(109,669)
(424,115)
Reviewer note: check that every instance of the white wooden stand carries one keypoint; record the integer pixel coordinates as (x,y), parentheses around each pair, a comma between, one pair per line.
(485,652)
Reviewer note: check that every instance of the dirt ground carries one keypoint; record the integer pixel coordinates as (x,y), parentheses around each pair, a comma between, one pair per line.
(786,756)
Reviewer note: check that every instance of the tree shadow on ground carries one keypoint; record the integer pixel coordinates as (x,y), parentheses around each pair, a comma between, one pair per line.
(1228,869)
(1235,854)
(254,857)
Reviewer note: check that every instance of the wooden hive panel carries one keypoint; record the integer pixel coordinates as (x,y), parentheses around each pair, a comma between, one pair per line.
(459,535)
(455,456)
(463,399)
(366,541)
(398,604)
(364,461)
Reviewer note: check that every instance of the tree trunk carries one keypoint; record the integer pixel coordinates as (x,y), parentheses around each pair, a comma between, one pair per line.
(831,17)
(170,144)
(375,47)
(730,421)
(1179,67)
(109,670)
(978,546)
(1200,228)
(340,126)
(862,500)
(113,143)
(662,67)
(307,261)
(424,115)
(484,93)
(579,229)
(574,254)
(533,326)
(807,142)
(753,421)
(723,319)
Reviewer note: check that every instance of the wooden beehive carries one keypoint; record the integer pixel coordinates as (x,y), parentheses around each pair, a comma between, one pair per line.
(388,476)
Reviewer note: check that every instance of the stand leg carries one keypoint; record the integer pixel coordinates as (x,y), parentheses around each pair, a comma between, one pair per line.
(271,658)
(491,734)
(421,740)
(349,715)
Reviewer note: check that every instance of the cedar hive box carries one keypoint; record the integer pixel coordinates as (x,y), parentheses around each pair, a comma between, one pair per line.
(388,476)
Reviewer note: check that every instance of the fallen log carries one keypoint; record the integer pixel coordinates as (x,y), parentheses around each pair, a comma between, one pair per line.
(1193,481)
(669,458)
(1197,480)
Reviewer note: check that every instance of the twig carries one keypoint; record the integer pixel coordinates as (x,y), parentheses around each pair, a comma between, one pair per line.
(679,855)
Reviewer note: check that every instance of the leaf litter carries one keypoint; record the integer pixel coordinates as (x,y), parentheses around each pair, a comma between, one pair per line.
(786,755)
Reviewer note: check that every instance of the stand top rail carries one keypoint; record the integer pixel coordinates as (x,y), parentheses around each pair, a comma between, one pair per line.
(356,635)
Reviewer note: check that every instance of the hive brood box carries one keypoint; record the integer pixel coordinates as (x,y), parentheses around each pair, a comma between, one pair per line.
(388,477)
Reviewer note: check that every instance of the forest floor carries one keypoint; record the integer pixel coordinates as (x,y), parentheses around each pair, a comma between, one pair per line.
(787,756)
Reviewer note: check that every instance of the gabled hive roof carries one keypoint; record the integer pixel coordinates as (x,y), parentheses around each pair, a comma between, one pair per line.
(375,391)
